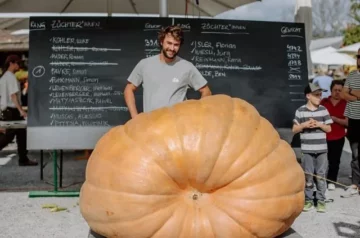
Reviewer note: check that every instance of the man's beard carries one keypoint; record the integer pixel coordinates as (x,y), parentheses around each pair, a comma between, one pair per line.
(167,56)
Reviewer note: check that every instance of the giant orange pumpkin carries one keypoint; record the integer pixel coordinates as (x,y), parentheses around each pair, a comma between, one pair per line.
(202,168)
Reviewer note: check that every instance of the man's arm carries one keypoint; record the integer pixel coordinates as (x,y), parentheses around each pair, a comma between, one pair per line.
(356,93)
(198,82)
(129,95)
(205,91)
(345,91)
(13,89)
(134,80)
(15,100)
(347,96)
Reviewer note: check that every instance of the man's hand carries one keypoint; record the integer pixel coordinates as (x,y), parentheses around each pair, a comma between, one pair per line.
(347,96)
(205,91)
(356,93)
(129,95)
(23,113)
(133,115)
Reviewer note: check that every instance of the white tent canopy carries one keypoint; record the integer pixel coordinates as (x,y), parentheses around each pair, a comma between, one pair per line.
(163,8)
(335,42)
(329,56)
(326,50)
(350,49)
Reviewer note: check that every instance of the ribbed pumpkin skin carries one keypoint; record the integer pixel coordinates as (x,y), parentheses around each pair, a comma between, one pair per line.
(202,168)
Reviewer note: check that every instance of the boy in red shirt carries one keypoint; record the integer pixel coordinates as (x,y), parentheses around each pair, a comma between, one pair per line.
(336,138)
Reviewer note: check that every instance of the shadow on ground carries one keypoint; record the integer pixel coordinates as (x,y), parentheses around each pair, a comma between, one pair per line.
(347,230)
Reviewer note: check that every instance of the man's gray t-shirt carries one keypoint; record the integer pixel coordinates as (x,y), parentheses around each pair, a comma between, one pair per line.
(165,84)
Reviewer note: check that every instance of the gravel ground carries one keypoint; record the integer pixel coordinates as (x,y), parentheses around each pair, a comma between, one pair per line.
(23,217)
(341,220)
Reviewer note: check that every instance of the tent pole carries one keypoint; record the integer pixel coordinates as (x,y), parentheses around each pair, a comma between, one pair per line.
(109,7)
(163,8)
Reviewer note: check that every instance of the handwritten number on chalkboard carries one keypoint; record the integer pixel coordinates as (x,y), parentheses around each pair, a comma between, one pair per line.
(292,48)
(149,43)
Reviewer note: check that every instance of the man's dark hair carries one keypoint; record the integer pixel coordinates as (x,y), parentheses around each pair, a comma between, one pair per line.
(13,58)
(336,82)
(174,31)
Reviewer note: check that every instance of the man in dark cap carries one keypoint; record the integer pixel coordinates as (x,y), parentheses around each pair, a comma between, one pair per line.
(11,109)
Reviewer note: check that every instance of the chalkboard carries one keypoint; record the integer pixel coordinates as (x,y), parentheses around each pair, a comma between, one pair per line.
(78,68)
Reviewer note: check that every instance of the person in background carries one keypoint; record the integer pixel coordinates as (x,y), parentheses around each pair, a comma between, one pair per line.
(336,138)
(312,121)
(24,93)
(324,81)
(11,109)
(331,73)
(351,93)
(22,76)
(165,77)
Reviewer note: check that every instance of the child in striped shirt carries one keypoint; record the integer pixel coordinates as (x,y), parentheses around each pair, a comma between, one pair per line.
(312,121)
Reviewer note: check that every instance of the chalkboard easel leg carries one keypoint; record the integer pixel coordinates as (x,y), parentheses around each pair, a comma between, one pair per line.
(55,192)
(61,168)
(42,165)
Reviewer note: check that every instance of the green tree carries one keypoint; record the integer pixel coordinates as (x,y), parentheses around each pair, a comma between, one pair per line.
(355,10)
(352,32)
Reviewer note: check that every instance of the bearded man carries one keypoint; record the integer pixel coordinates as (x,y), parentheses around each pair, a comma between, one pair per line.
(165,77)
